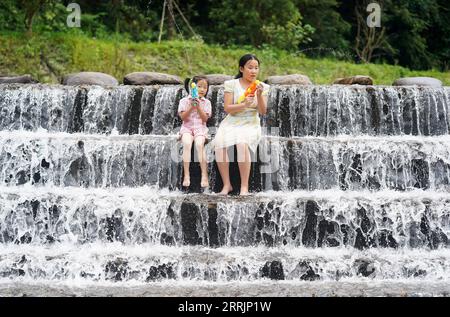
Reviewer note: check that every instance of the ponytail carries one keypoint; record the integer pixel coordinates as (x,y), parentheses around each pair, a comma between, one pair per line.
(186,84)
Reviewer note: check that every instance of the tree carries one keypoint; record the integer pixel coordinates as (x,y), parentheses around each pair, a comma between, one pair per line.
(170,20)
(369,38)
(331,30)
(439,42)
(31,8)
(407,22)
(409,39)
(273,22)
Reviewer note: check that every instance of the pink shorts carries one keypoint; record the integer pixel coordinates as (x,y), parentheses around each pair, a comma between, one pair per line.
(195,132)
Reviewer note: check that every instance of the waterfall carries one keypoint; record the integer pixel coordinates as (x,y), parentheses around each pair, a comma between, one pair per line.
(295,110)
(351,185)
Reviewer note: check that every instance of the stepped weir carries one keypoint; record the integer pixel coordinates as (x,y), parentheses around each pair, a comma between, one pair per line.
(351,195)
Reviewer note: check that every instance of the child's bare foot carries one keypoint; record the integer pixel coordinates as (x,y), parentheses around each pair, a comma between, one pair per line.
(186,181)
(226,190)
(204,182)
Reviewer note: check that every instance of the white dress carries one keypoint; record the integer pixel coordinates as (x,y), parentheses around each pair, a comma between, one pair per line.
(241,127)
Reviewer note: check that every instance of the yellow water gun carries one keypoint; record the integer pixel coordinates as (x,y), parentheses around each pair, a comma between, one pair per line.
(250,91)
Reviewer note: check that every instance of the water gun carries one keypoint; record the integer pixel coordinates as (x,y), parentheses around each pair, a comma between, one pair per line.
(250,91)
(194,93)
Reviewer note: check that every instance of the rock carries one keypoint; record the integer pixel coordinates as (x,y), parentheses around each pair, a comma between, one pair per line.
(310,275)
(79,173)
(218,79)
(89,78)
(22,177)
(44,163)
(294,79)
(309,236)
(273,270)
(114,228)
(418,81)
(365,268)
(151,78)
(386,240)
(26,238)
(421,172)
(354,80)
(23,260)
(414,272)
(50,239)
(24,79)
(308,272)
(167,239)
(164,271)
(116,270)
(190,214)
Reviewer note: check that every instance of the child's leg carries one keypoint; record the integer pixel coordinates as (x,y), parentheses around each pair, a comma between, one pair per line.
(244,162)
(200,148)
(222,163)
(187,146)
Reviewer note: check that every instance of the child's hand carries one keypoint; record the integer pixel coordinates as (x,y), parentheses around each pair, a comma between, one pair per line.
(191,106)
(194,102)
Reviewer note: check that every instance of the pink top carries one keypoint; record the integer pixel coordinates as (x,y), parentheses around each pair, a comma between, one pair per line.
(194,120)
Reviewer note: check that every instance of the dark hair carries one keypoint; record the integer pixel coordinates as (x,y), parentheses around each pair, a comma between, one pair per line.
(195,79)
(244,59)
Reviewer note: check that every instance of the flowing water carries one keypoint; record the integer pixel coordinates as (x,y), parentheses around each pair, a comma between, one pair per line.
(352,195)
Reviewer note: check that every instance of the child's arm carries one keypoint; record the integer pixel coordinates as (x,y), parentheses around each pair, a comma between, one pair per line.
(184,115)
(203,115)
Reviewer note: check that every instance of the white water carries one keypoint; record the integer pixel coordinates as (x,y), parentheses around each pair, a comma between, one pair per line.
(377,163)
(142,215)
(87,263)
(356,202)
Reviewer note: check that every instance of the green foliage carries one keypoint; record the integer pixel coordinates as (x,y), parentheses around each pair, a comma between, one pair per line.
(272,22)
(11,17)
(331,30)
(52,17)
(287,37)
(73,52)
(438,39)
(410,20)
(416,30)
(91,24)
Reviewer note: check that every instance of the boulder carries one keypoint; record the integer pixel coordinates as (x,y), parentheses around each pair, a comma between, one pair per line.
(294,79)
(151,78)
(89,78)
(164,271)
(218,79)
(116,270)
(365,268)
(418,81)
(273,270)
(307,272)
(23,79)
(354,80)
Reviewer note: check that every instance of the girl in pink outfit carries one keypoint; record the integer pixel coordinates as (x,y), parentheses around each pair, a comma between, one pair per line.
(194,113)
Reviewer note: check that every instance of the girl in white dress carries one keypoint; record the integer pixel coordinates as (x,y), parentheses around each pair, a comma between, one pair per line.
(241,127)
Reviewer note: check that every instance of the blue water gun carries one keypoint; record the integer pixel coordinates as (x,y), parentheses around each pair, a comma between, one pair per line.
(194,93)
